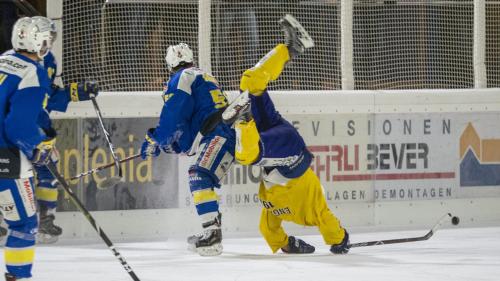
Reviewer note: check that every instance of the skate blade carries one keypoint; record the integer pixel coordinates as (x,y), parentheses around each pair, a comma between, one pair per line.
(43,238)
(213,250)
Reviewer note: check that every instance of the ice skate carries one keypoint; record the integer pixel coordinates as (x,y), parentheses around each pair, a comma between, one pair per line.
(48,232)
(297,246)
(297,38)
(240,108)
(210,243)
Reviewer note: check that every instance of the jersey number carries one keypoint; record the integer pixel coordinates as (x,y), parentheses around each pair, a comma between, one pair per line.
(219,98)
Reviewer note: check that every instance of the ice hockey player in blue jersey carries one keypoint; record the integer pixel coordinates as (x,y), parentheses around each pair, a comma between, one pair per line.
(24,88)
(289,190)
(59,97)
(193,104)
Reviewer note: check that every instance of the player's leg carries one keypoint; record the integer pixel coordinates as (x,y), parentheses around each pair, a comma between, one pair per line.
(213,160)
(46,194)
(275,199)
(317,213)
(19,209)
(255,79)
(272,231)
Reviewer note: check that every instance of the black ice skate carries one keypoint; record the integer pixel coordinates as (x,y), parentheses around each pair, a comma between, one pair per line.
(48,232)
(297,246)
(296,37)
(240,108)
(208,242)
(342,247)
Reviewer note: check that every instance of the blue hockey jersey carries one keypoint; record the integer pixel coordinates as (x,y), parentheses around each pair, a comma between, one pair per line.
(191,98)
(59,97)
(24,88)
(282,147)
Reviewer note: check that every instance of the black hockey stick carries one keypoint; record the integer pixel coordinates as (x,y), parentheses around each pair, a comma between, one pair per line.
(100,168)
(112,181)
(53,170)
(404,240)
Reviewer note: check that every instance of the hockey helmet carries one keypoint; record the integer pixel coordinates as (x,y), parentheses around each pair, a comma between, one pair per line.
(49,22)
(32,36)
(177,55)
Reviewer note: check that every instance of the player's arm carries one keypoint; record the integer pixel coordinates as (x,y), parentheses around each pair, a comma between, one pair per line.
(60,97)
(174,122)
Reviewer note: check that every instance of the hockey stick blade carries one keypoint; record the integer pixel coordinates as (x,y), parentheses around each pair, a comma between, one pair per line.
(404,240)
(109,183)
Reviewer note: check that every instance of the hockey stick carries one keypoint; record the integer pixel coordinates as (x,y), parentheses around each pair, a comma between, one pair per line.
(107,183)
(403,240)
(112,180)
(53,170)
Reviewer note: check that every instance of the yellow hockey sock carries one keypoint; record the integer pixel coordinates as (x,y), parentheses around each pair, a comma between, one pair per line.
(269,68)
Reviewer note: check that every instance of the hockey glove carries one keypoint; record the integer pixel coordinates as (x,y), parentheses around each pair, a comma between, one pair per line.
(43,152)
(342,247)
(83,91)
(150,146)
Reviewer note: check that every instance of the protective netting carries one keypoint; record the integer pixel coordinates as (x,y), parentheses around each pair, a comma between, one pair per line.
(397,44)
(244,31)
(413,44)
(124,42)
(493,43)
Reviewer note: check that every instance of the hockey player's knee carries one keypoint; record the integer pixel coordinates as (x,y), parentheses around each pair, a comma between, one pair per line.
(23,230)
(247,142)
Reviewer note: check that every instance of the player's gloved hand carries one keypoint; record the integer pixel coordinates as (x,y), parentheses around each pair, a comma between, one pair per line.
(342,247)
(83,91)
(43,152)
(150,146)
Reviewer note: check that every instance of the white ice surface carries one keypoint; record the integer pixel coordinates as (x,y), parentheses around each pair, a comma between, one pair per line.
(451,254)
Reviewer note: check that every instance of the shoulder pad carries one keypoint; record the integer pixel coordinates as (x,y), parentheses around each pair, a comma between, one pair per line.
(27,71)
(187,78)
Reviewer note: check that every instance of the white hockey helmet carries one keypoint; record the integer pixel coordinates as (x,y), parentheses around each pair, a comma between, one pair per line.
(178,54)
(32,36)
(47,21)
